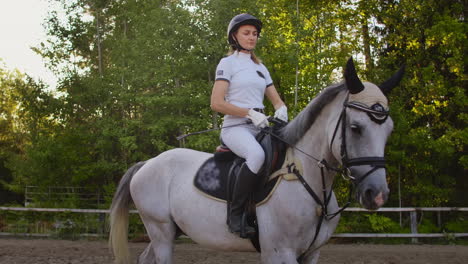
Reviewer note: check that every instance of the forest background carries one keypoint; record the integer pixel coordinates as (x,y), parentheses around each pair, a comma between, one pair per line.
(134,74)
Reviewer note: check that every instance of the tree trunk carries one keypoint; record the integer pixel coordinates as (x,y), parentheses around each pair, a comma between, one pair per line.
(98,32)
(367,45)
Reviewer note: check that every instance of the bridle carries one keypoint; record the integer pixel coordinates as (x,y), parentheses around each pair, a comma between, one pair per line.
(378,114)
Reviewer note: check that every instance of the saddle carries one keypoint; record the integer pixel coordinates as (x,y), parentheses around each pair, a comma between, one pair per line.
(214,178)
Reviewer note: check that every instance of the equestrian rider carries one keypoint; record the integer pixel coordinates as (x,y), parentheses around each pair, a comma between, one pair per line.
(238,93)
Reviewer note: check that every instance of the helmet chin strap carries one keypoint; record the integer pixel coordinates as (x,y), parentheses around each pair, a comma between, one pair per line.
(239,47)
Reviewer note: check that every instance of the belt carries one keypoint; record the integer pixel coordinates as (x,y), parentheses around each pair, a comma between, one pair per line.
(260,110)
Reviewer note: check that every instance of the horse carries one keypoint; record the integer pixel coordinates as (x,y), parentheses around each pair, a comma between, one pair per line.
(342,130)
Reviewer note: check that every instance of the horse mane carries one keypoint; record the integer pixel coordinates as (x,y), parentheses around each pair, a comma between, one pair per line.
(296,129)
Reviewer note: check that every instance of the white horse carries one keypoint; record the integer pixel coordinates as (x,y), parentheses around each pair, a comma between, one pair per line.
(345,127)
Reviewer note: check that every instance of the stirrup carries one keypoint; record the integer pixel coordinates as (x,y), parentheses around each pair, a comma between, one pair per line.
(243,230)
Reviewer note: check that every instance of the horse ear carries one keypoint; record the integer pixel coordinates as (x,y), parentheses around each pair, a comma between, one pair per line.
(352,80)
(393,81)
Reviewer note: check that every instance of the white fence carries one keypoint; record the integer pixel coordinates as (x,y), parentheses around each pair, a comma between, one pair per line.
(414,235)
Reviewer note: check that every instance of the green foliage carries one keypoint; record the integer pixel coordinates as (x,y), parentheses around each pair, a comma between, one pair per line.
(458,225)
(429,138)
(381,224)
(13,136)
(64,225)
(134,75)
(368,223)
(427,226)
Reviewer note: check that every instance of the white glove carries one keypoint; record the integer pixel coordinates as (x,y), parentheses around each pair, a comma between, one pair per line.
(282,113)
(258,119)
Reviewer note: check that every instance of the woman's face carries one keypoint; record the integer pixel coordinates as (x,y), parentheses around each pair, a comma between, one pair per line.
(247,36)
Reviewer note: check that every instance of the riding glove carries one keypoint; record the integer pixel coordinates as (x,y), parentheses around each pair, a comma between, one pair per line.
(282,113)
(258,119)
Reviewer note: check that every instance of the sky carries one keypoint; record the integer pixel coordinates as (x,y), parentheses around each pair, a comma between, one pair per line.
(21,28)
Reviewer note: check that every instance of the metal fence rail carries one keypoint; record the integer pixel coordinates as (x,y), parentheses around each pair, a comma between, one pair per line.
(414,235)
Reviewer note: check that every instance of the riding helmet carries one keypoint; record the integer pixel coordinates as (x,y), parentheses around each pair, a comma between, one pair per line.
(240,20)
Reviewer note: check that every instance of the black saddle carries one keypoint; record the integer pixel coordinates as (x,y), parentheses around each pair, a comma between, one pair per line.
(214,176)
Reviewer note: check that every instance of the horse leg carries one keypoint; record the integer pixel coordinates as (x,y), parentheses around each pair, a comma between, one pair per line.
(278,256)
(160,250)
(287,256)
(312,258)
(149,190)
(147,256)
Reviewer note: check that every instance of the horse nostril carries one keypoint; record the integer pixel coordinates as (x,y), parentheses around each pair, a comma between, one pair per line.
(373,199)
(368,194)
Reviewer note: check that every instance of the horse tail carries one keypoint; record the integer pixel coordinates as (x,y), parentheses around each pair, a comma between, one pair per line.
(119,211)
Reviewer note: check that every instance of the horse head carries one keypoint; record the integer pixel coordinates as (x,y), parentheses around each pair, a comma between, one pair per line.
(365,126)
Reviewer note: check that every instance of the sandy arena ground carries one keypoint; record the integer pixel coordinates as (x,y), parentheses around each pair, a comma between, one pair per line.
(23,251)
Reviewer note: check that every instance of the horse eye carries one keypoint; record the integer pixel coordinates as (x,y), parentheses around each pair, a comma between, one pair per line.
(355,128)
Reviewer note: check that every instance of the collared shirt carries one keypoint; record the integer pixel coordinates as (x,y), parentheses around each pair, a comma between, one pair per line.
(247,80)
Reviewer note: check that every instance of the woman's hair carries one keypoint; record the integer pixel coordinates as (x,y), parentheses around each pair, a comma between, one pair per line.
(252,55)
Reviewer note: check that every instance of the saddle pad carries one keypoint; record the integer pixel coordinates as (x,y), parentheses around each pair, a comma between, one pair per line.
(212,180)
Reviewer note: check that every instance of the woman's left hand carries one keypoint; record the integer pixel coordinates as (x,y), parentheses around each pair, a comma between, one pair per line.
(282,113)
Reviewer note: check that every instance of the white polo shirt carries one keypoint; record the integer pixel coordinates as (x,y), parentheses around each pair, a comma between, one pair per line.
(247,81)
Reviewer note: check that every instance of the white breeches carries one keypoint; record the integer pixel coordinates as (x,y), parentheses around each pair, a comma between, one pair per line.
(241,140)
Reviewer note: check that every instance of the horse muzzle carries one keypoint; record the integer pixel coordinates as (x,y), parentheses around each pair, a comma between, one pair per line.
(372,192)
(373,198)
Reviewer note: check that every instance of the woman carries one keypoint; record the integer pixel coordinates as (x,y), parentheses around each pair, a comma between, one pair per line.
(238,93)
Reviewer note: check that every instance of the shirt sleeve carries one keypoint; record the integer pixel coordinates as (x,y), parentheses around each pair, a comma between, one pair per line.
(268,80)
(223,71)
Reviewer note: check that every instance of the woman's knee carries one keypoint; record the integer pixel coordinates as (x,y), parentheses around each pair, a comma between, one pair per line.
(255,160)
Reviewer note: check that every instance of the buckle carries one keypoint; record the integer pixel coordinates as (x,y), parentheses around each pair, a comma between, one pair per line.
(346,174)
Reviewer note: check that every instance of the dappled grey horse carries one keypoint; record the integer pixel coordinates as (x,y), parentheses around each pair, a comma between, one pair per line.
(343,130)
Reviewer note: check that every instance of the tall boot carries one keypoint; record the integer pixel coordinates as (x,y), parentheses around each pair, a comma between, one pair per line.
(243,187)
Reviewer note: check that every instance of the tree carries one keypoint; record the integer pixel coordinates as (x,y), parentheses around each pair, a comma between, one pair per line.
(430,135)
(11,132)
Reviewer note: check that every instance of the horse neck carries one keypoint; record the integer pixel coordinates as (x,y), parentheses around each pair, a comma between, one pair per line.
(316,141)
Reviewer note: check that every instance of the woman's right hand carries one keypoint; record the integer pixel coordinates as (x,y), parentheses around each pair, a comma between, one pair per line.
(258,119)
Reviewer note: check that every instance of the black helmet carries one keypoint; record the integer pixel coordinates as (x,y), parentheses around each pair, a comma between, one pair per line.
(240,20)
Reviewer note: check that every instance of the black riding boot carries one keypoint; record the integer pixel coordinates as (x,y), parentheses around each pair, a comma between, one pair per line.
(243,187)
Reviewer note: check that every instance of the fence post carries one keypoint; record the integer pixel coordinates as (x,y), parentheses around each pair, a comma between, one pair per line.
(414,226)
(439,220)
(102,220)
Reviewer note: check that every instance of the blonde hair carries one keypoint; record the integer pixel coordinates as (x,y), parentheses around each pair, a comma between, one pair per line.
(252,55)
